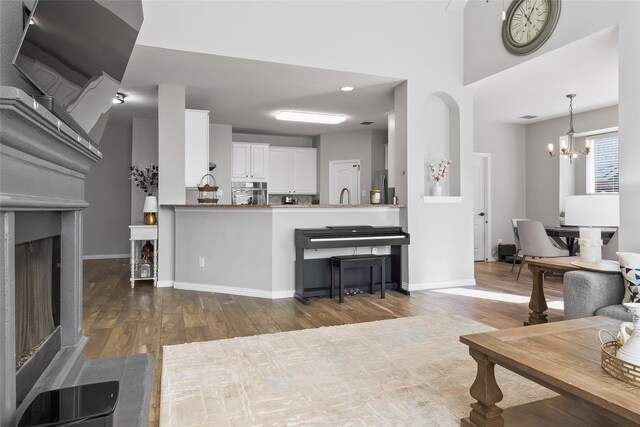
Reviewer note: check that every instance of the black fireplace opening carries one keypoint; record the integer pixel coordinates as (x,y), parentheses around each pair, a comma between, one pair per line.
(37,267)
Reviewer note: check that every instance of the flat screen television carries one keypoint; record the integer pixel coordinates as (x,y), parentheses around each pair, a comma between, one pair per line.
(75,53)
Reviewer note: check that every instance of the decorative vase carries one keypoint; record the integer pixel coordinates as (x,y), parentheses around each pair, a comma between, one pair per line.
(436,190)
(150,209)
(630,350)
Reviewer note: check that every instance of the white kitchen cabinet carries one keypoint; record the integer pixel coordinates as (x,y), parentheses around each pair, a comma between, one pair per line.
(250,162)
(196,146)
(292,170)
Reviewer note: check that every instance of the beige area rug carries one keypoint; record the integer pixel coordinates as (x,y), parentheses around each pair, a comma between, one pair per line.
(402,372)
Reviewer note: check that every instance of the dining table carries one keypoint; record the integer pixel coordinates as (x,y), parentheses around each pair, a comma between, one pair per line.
(567,235)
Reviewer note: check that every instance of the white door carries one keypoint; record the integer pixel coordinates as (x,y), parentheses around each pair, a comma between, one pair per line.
(280,176)
(344,174)
(480,214)
(305,176)
(259,162)
(241,160)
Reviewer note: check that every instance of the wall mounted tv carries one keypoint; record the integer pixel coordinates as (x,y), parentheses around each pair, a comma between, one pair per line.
(75,53)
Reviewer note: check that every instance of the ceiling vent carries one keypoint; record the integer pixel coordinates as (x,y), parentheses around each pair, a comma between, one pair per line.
(528,117)
(366,123)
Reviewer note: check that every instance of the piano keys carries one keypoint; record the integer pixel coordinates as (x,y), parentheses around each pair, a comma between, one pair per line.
(312,276)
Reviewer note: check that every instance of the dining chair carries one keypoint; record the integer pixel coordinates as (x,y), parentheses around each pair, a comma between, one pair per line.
(514,224)
(610,248)
(535,242)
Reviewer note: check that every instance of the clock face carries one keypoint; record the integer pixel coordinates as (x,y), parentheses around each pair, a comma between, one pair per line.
(529,24)
(528,20)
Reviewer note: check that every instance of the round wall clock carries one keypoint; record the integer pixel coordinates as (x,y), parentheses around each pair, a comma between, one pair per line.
(528,24)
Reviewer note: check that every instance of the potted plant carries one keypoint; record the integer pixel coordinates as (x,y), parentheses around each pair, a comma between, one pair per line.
(438,175)
(146,179)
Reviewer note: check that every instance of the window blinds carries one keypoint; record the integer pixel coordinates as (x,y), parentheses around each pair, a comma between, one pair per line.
(605,163)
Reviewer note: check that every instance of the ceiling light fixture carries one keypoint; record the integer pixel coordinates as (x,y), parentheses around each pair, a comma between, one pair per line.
(301,116)
(119,99)
(346,88)
(567,148)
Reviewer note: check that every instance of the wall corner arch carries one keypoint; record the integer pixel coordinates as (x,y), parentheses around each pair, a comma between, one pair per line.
(442,125)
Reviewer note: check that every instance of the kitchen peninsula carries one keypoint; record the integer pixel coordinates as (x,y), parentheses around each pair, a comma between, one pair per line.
(249,249)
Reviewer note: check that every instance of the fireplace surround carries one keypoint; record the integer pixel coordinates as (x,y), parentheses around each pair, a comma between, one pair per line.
(43,164)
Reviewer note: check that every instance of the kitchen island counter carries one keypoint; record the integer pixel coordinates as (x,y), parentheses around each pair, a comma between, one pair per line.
(250,249)
(211,205)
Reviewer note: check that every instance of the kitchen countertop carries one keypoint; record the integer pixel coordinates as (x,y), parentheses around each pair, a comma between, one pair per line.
(209,205)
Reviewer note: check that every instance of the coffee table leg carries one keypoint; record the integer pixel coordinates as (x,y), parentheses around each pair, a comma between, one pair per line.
(484,412)
(538,303)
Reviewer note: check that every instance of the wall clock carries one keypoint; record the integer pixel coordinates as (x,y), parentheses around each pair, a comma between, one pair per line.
(528,24)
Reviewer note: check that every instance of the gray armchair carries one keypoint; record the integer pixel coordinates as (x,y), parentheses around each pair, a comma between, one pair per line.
(588,293)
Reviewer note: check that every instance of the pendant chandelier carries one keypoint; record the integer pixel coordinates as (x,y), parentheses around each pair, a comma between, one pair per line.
(567,148)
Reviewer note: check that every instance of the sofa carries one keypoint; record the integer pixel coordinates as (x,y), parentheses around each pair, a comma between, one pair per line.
(589,293)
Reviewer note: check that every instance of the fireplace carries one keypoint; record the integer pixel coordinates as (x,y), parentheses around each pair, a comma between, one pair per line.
(42,171)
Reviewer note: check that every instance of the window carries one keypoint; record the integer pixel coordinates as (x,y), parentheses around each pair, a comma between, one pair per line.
(602,164)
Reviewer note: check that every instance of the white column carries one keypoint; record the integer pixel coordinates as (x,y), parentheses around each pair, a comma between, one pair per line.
(171,106)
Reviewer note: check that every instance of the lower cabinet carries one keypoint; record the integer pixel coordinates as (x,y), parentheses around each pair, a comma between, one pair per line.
(292,170)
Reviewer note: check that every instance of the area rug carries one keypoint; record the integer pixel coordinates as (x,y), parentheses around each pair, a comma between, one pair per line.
(402,372)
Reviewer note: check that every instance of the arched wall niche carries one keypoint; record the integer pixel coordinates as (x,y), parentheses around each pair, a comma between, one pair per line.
(442,118)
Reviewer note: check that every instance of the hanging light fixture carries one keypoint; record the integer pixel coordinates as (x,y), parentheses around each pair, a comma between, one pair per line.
(567,148)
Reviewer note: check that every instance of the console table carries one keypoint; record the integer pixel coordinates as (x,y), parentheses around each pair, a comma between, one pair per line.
(139,233)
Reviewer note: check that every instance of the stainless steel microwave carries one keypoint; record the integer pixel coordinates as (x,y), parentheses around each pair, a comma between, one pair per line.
(248,193)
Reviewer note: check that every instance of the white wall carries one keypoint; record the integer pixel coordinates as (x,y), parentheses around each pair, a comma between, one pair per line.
(543,172)
(484,55)
(420,41)
(144,152)
(506,144)
(287,141)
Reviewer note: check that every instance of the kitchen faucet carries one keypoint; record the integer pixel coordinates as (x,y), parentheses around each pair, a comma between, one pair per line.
(348,195)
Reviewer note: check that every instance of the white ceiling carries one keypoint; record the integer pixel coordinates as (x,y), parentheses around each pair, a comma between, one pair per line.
(588,68)
(247,93)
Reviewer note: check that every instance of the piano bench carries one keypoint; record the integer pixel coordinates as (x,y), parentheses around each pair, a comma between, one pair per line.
(340,263)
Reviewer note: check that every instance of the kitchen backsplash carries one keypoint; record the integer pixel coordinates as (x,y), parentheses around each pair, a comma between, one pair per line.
(276,199)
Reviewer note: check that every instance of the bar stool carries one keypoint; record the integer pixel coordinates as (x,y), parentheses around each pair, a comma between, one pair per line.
(340,263)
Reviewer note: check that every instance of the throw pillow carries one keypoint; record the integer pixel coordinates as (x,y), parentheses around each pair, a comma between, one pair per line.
(630,268)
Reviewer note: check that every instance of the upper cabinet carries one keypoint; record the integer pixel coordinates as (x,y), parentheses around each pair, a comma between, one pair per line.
(196,146)
(250,162)
(292,170)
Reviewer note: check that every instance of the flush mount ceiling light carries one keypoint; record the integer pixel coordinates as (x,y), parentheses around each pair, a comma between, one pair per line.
(119,99)
(567,148)
(301,116)
(346,88)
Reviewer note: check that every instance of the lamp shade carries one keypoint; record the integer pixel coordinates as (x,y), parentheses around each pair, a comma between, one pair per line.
(150,204)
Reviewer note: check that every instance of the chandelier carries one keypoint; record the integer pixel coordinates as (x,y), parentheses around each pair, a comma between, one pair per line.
(567,148)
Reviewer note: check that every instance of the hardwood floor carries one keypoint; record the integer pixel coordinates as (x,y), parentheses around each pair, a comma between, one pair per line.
(122,321)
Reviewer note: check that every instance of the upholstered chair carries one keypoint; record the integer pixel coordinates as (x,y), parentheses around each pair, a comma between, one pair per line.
(535,242)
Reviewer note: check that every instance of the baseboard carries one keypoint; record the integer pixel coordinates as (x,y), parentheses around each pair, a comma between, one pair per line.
(165,284)
(438,285)
(232,290)
(107,256)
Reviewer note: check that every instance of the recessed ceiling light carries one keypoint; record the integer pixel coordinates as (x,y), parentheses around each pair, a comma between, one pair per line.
(119,99)
(301,116)
(346,88)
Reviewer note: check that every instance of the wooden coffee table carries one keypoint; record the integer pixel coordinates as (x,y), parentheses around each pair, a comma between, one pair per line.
(562,356)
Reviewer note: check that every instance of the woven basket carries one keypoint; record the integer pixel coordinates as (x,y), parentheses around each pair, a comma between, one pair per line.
(207,185)
(623,371)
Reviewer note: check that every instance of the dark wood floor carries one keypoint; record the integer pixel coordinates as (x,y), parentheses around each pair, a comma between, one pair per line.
(122,321)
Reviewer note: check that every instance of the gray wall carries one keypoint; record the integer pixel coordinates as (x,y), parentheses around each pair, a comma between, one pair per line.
(10,34)
(144,151)
(221,153)
(107,190)
(345,146)
(543,172)
(378,139)
(506,144)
